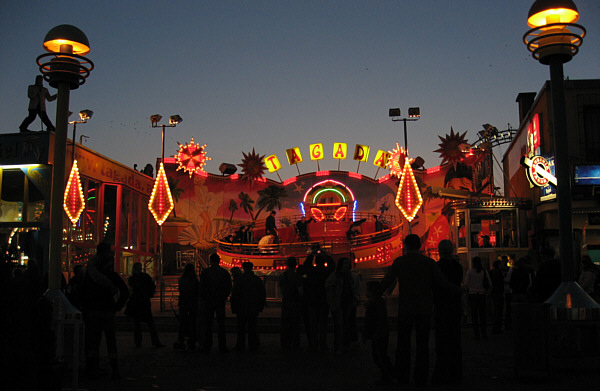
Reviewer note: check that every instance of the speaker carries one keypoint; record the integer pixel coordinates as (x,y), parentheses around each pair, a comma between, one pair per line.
(227,168)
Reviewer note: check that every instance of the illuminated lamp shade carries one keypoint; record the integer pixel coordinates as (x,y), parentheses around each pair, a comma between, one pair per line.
(74,201)
(66,34)
(161,202)
(543,12)
(408,198)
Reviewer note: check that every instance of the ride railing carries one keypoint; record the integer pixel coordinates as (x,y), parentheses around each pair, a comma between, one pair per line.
(331,245)
(258,227)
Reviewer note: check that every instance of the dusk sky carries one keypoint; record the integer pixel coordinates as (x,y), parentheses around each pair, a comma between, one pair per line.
(272,75)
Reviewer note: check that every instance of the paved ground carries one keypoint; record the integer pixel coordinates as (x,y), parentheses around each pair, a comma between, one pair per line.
(488,365)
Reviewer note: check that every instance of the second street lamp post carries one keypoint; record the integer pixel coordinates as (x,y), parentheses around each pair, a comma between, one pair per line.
(553,40)
(162,185)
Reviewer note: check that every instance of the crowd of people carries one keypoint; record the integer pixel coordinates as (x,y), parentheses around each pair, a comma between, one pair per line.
(312,293)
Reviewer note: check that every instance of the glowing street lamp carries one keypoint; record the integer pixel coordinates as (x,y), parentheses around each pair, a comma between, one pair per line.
(161,202)
(65,69)
(553,40)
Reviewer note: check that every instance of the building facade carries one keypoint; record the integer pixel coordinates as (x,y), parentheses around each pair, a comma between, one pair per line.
(116,205)
(534,144)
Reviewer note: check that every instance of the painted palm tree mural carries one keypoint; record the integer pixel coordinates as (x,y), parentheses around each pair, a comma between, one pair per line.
(270,198)
(232,208)
(176,192)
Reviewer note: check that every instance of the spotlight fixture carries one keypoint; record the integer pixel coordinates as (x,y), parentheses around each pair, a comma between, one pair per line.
(175,119)
(155,119)
(86,114)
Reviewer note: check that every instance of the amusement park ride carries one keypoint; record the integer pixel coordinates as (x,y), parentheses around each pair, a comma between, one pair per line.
(455,200)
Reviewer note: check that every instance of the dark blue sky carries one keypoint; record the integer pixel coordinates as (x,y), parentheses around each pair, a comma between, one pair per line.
(272,75)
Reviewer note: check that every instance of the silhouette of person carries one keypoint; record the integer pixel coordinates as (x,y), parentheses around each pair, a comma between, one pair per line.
(486,241)
(100,286)
(38,95)
(74,286)
(316,300)
(139,306)
(477,283)
(377,330)
(271,227)
(290,284)
(340,297)
(417,275)
(188,308)
(378,224)
(548,277)
(249,298)
(588,278)
(447,319)
(497,278)
(521,277)
(215,287)
(302,227)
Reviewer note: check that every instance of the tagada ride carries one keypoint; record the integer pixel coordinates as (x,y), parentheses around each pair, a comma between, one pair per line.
(333,230)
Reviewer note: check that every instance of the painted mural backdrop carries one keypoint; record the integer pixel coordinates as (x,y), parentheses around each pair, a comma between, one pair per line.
(207,203)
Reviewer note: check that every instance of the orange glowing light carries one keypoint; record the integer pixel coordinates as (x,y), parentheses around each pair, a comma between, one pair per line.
(74,201)
(340,213)
(408,198)
(395,163)
(191,158)
(161,202)
(317,214)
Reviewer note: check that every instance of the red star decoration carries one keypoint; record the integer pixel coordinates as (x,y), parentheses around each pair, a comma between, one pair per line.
(450,150)
(253,166)
(191,157)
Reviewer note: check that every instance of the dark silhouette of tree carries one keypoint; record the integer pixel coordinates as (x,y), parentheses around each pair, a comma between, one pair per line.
(176,192)
(270,198)
(232,208)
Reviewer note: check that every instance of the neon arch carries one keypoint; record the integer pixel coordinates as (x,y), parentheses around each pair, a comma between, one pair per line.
(345,194)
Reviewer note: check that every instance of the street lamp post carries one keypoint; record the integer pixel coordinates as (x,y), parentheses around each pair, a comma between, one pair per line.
(84,116)
(66,70)
(553,40)
(414,114)
(173,121)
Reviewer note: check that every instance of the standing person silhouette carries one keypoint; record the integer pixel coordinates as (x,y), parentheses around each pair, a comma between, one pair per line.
(139,306)
(448,368)
(290,283)
(417,277)
(478,283)
(100,287)
(249,298)
(38,95)
(215,287)
(271,227)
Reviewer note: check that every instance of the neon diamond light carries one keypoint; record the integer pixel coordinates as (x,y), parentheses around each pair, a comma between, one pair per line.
(161,202)
(408,198)
(74,201)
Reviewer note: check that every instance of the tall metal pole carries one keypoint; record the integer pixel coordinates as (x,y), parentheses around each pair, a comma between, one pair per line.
(70,231)
(160,238)
(58,186)
(563,190)
(405,137)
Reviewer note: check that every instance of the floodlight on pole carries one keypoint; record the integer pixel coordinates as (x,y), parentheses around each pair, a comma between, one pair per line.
(161,202)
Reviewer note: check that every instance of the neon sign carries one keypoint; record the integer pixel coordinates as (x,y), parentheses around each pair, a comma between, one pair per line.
(74,201)
(408,198)
(161,202)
